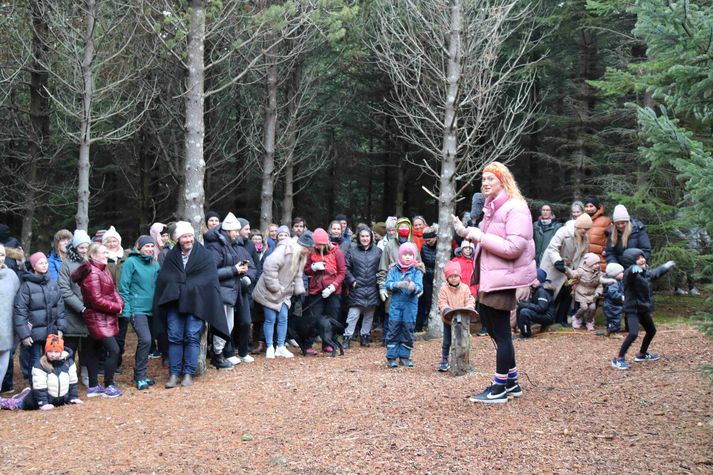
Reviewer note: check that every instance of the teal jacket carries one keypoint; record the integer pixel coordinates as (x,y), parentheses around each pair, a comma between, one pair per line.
(138,283)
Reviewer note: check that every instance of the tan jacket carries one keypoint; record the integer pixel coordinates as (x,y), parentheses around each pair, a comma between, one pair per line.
(279,280)
(563,247)
(455,297)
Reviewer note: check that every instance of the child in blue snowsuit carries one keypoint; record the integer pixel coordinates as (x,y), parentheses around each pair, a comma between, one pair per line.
(613,296)
(405,282)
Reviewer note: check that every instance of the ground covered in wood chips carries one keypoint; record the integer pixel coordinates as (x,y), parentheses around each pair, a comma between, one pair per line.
(351,414)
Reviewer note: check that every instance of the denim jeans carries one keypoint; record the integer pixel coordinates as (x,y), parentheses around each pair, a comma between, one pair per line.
(143,333)
(25,366)
(36,351)
(184,336)
(447,338)
(269,325)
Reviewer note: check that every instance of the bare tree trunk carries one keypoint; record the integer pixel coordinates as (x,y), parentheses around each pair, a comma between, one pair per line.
(194,191)
(400,186)
(293,87)
(288,200)
(268,166)
(85,126)
(447,192)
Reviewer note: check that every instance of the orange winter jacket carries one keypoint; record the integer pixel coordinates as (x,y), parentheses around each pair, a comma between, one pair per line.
(598,235)
(450,297)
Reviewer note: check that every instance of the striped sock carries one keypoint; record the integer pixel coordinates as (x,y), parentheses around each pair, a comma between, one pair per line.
(500,378)
(512,374)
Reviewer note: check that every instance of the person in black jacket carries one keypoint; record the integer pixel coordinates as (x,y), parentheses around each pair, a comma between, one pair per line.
(236,273)
(428,257)
(362,263)
(638,304)
(39,309)
(626,233)
(539,309)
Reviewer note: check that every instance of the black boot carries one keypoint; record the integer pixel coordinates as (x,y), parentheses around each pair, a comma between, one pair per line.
(345,341)
(364,340)
(221,363)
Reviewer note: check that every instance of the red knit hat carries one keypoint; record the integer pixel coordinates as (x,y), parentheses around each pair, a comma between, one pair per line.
(320,237)
(451,268)
(54,343)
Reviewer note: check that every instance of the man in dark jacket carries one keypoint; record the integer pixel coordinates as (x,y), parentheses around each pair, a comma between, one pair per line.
(13,248)
(428,256)
(544,228)
(187,293)
(539,309)
(236,273)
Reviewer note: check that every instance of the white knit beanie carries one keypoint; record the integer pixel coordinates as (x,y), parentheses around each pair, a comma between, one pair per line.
(111,233)
(620,214)
(614,269)
(183,227)
(80,237)
(230,223)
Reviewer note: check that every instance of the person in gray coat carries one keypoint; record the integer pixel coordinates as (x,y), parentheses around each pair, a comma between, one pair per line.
(363,261)
(9,284)
(74,306)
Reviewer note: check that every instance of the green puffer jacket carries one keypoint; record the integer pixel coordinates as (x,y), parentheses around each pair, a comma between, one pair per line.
(138,283)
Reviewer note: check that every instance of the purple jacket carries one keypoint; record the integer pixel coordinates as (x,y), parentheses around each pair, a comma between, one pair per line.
(507,259)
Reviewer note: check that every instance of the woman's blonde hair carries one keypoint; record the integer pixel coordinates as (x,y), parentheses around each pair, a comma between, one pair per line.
(506,179)
(93,248)
(624,235)
(298,259)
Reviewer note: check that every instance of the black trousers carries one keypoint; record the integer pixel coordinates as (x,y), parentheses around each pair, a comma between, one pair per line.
(498,325)
(633,320)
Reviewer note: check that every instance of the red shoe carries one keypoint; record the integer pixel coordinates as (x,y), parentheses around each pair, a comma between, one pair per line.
(327,349)
(310,352)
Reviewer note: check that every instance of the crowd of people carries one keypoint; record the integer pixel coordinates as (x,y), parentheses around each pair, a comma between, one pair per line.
(257,293)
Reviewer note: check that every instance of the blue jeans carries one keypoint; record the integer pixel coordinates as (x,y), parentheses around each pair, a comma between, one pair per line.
(184,336)
(36,351)
(269,325)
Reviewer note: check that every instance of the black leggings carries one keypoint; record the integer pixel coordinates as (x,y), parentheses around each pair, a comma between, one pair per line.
(632,321)
(498,325)
(92,355)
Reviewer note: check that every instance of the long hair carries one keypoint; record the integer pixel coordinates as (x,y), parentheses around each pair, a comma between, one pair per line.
(624,235)
(298,260)
(58,236)
(506,178)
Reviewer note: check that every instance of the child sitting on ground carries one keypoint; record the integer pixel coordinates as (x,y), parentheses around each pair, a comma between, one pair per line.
(539,308)
(613,297)
(586,289)
(53,383)
(405,281)
(452,294)
(638,305)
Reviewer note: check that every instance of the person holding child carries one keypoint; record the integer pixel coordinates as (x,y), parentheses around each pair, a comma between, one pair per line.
(505,261)
(638,305)
(452,294)
(405,282)
(587,288)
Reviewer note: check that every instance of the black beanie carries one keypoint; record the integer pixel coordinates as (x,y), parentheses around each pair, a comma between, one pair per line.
(211,214)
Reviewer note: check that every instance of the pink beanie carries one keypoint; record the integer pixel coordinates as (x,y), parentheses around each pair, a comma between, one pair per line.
(36,257)
(451,268)
(320,237)
(408,248)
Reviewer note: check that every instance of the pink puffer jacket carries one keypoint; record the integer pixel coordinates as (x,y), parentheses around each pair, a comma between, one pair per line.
(507,259)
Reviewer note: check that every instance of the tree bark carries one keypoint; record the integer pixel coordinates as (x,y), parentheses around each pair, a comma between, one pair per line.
(293,87)
(400,186)
(447,191)
(194,190)
(268,161)
(85,125)
(460,345)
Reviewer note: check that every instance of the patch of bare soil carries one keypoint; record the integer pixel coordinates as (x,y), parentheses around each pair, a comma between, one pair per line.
(351,414)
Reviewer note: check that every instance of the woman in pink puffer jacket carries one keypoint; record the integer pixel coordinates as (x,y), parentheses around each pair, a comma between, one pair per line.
(505,261)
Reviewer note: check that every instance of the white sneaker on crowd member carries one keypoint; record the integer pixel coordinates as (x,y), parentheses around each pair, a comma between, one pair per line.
(695,292)
(247,359)
(85,376)
(270,353)
(284,352)
(680,291)
(234,360)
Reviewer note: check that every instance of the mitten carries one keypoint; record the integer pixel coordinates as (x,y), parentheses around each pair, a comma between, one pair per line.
(559,265)
(329,290)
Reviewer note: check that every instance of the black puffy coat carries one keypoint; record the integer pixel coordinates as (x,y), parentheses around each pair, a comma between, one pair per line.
(362,267)
(638,286)
(428,256)
(38,303)
(639,239)
(227,254)
(541,302)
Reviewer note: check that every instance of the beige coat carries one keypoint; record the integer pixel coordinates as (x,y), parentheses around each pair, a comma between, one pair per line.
(280,280)
(563,247)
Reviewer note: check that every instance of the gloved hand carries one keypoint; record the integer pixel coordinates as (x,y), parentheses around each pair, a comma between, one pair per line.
(76,401)
(411,287)
(27,341)
(559,265)
(246,281)
(475,234)
(402,284)
(329,290)
(636,269)
(458,226)
(669,264)
(317,266)
(47,407)
(383,294)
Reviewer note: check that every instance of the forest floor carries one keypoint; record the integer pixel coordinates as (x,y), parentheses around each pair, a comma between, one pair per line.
(351,414)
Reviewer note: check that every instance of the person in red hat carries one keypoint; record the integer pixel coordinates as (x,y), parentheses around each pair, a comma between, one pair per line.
(453,294)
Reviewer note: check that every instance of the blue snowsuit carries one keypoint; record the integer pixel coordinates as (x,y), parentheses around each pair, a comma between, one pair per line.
(614,305)
(402,312)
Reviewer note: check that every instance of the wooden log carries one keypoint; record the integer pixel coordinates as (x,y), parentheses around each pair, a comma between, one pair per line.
(460,319)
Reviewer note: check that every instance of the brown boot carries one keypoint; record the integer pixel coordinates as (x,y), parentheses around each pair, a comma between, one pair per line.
(172,382)
(187,380)
(259,349)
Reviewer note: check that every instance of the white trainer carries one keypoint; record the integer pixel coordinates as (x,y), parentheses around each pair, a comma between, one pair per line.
(234,360)
(270,353)
(247,359)
(85,376)
(284,352)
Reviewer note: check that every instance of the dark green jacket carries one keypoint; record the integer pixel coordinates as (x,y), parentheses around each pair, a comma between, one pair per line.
(138,283)
(542,235)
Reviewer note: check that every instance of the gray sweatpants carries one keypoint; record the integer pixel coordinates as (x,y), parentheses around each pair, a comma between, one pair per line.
(353,318)
(218,342)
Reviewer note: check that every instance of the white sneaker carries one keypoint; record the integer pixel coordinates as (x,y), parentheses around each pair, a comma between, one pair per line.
(270,353)
(695,292)
(234,360)
(85,376)
(247,359)
(284,352)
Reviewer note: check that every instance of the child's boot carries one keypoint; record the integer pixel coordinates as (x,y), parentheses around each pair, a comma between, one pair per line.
(576,322)
(590,325)
(444,366)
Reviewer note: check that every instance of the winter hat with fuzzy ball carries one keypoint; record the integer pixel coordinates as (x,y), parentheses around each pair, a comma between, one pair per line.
(613,269)
(451,268)
(80,237)
(620,214)
(183,227)
(111,233)
(320,237)
(407,248)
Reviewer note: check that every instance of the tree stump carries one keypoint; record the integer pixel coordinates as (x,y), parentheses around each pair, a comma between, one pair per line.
(460,319)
